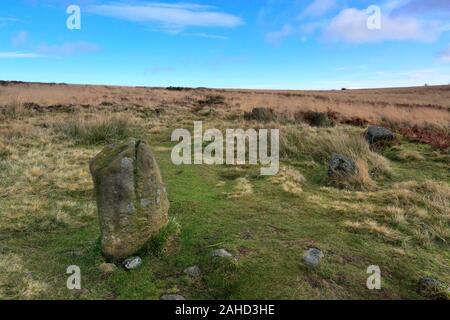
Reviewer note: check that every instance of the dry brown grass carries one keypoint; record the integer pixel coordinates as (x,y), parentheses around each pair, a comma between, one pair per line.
(420,106)
(290,180)
(242,188)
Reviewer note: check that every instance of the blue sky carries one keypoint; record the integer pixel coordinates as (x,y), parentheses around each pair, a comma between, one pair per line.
(279,44)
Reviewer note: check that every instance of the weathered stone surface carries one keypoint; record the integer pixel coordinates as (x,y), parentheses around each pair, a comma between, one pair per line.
(132,263)
(341,165)
(193,271)
(221,253)
(312,257)
(172,297)
(131,198)
(377,134)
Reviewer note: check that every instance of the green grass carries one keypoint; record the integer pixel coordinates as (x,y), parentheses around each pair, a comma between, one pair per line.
(267,231)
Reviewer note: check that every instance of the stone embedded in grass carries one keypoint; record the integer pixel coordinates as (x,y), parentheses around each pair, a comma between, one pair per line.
(107,267)
(172,297)
(131,198)
(342,166)
(221,253)
(378,134)
(433,289)
(193,271)
(312,257)
(132,263)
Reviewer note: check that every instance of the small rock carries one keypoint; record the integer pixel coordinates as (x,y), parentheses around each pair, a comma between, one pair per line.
(107,267)
(312,257)
(172,297)
(132,263)
(222,253)
(376,134)
(193,271)
(341,165)
(433,289)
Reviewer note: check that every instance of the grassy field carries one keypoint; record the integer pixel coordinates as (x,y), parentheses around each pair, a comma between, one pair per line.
(396,216)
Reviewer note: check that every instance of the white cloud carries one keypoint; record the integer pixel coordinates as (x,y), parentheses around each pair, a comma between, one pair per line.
(318,8)
(206,36)
(19,38)
(169,17)
(67,48)
(350,26)
(276,37)
(7,20)
(19,55)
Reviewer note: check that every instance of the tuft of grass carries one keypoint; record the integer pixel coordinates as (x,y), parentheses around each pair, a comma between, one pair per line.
(242,188)
(422,208)
(95,129)
(300,143)
(290,180)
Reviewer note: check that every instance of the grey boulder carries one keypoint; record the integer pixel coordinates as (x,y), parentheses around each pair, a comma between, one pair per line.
(376,134)
(312,257)
(341,165)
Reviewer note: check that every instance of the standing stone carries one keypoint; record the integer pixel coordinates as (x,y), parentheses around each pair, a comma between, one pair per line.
(131,198)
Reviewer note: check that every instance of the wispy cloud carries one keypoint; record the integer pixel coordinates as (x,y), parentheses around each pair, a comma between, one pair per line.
(20,55)
(168,16)
(8,20)
(318,8)
(68,48)
(206,36)
(350,26)
(275,37)
(422,6)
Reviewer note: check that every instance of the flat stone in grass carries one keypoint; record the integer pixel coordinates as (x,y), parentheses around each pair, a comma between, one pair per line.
(222,253)
(172,297)
(107,267)
(312,257)
(131,198)
(193,271)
